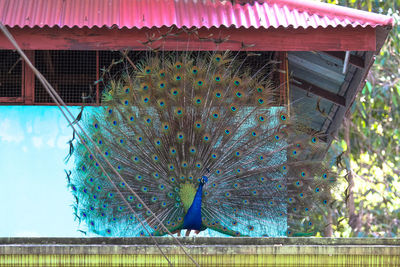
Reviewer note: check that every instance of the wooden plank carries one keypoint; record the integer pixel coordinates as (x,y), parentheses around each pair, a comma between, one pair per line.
(207,251)
(306,86)
(353,60)
(281,39)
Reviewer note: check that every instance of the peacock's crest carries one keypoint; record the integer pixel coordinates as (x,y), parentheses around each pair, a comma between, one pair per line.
(202,140)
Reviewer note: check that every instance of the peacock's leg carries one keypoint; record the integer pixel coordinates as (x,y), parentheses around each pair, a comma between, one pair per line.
(197,232)
(188,232)
(178,232)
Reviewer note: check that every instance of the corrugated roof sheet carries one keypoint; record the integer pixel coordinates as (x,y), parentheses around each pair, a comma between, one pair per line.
(182,13)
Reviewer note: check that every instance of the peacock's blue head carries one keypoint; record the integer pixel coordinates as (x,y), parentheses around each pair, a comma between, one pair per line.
(203,179)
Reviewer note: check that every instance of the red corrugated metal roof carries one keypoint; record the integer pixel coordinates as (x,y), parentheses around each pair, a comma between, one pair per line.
(182,13)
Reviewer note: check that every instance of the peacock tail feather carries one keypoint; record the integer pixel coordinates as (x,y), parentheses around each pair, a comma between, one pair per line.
(181,116)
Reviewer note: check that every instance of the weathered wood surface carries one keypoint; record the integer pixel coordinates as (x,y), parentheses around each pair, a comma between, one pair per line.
(206,251)
(280,39)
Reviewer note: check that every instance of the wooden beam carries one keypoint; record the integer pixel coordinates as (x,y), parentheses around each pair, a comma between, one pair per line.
(354,60)
(306,86)
(281,39)
(28,79)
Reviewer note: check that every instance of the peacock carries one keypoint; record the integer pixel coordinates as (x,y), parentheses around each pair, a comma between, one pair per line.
(202,142)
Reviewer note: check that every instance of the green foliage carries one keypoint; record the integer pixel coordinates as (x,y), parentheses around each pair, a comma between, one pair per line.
(370,142)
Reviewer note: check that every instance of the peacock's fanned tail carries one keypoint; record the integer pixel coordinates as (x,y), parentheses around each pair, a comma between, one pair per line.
(176,118)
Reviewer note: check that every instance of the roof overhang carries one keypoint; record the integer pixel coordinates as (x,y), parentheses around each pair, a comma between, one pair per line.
(274,25)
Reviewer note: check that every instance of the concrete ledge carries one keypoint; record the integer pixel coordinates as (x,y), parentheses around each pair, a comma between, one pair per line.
(206,251)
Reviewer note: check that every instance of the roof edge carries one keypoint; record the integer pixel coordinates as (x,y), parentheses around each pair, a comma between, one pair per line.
(334,10)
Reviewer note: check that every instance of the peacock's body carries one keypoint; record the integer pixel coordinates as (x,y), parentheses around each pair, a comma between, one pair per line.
(203,143)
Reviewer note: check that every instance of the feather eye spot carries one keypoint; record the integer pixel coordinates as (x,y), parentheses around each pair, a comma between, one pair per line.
(233,108)
(251,228)
(324,176)
(161,187)
(139,177)
(301,195)
(245,201)
(114,122)
(126,102)
(121,141)
(317,190)
(130,198)
(213,155)
(139,206)
(174,92)
(254,192)
(218,95)
(227,194)
(314,140)
(122,184)
(262,179)
(100,142)
(217,78)
(303,174)
(178,78)
(132,118)
(260,101)
(277,137)
(200,83)
(325,202)
(110,195)
(106,153)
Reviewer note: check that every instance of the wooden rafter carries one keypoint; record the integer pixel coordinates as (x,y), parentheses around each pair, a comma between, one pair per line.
(316,90)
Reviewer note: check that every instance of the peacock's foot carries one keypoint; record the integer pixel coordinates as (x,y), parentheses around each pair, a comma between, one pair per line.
(178,232)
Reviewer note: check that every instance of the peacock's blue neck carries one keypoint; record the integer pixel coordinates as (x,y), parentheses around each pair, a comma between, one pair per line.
(192,218)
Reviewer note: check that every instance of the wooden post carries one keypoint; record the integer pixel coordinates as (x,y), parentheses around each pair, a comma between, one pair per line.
(28,79)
